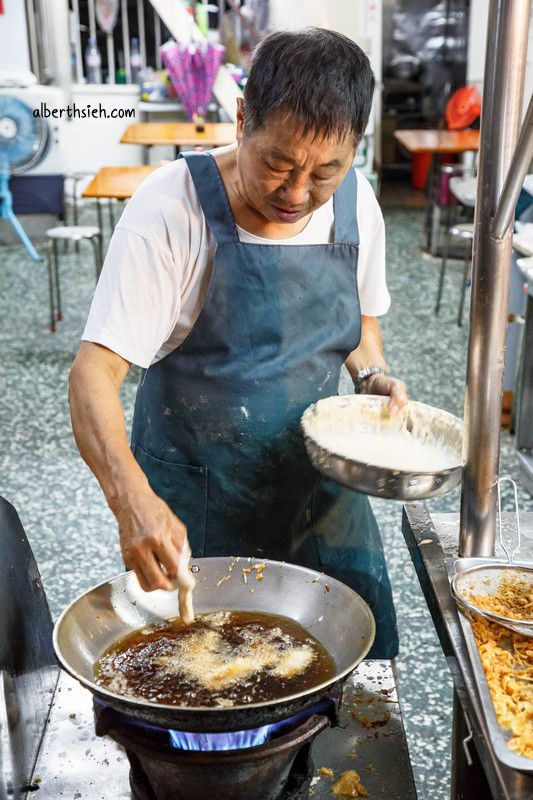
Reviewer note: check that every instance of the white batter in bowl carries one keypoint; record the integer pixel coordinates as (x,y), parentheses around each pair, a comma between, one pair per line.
(414,454)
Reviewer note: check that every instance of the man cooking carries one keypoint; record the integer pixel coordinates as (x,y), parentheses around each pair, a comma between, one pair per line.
(241,281)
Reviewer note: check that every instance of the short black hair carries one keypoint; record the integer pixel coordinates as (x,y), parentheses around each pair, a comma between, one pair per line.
(322,77)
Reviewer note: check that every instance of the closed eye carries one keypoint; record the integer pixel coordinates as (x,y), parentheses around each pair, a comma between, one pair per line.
(276,169)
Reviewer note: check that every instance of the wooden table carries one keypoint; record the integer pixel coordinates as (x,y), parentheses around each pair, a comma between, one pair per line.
(117,182)
(440,142)
(436,143)
(179,134)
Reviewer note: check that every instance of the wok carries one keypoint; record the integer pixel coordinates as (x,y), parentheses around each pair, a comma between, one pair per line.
(332,612)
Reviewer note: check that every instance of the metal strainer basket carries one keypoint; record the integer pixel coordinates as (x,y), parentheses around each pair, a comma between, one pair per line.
(485,579)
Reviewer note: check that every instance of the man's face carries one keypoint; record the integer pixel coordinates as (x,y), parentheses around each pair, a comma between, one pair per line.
(286,175)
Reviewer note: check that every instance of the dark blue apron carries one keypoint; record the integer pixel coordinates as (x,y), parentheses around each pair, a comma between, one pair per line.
(217,421)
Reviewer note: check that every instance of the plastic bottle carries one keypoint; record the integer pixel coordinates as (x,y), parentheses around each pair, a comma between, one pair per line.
(121,72)
(93,62)
(135,60)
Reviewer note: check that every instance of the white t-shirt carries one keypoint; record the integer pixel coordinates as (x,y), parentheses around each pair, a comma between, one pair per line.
(158,264)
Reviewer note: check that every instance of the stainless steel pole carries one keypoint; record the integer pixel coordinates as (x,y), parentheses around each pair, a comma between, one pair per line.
(77,40)
(157,37)
(126,38)
(502,102)
(110,59)
(32,39)
(142,31)
(92,20)
(515,177)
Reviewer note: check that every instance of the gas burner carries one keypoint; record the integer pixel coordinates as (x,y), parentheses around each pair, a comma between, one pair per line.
(269,763)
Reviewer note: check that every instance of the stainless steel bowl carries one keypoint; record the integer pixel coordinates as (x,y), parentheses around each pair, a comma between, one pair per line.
(367,410)
(336,615)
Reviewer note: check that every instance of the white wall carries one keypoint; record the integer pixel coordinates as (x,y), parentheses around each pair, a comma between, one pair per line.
(360,20)
(57,25)
(93,143)
(477,41)
(344,17)
(14,51)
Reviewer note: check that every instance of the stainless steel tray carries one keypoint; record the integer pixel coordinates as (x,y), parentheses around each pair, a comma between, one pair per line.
(499,736)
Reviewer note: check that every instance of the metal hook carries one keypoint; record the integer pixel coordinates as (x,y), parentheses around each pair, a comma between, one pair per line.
(511,555)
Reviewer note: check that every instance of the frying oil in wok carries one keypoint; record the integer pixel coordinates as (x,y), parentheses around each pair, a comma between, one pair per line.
(224,658)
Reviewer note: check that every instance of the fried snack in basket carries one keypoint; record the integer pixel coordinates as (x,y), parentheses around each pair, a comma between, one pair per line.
(507,659)
(513,599)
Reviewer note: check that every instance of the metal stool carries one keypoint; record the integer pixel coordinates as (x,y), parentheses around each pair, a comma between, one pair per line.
(73,199)
(68,233)
(464,231)
(464,189)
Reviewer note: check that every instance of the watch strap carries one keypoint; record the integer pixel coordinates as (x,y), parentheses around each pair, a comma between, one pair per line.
(366,373)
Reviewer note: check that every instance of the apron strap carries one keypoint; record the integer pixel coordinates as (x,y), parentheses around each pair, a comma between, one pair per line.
(212,196)
(345,227)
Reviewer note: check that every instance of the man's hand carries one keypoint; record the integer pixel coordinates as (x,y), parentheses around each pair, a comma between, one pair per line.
(370,354)
(387,386)
(151,536)
(152,539)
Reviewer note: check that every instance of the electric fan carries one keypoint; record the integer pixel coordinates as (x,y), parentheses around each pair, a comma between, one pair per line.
(24,140)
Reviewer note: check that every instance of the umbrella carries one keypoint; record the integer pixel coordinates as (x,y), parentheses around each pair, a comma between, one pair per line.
(107,14)
(193,69)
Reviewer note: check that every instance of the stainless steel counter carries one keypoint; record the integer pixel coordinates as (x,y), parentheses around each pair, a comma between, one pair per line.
(477,773)
(74,764)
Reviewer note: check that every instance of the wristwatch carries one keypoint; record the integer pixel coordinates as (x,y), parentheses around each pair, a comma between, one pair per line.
(365,373)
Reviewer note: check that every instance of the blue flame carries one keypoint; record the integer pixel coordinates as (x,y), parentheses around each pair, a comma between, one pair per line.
(239,740)
(235,740)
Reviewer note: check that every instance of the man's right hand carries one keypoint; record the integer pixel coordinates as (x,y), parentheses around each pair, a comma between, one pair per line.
(152,539)
(151,536)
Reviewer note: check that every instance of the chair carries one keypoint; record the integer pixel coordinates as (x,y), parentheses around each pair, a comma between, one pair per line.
(445,206)
(464,189)
(68,233)
(464,232)
(76,202)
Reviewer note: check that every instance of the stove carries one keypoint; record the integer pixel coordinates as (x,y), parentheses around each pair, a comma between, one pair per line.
(75,763)
(273,762)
